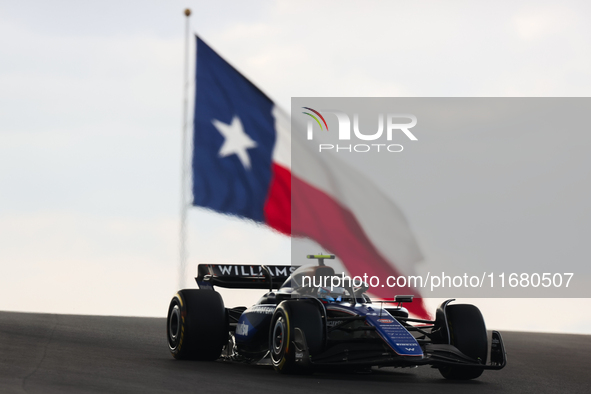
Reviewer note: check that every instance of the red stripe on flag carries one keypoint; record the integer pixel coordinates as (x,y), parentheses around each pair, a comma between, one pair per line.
(278,204)
(318,216)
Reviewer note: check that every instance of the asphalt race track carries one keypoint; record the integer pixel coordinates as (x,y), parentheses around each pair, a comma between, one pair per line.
(45,353)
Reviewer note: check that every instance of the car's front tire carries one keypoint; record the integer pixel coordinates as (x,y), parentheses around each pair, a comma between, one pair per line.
(467,332)
(196,325)
(288,316)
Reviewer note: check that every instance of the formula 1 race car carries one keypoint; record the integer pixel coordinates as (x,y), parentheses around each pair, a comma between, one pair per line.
(301,327)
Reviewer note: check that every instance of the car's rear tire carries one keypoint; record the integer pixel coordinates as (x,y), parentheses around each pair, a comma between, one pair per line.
(288,316)
(196,326)
(467,332)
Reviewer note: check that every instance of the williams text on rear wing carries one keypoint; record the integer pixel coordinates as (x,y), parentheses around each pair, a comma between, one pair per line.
(242,276)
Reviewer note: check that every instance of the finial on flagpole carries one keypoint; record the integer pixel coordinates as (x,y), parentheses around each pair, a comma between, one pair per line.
(187,11)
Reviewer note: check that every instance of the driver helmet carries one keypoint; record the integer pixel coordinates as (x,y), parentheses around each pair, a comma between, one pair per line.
(325,293)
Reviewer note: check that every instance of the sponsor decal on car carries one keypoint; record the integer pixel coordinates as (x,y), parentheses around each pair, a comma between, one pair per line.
(242,329)
(386,321)
(250,271)
(334,323)
(267,310)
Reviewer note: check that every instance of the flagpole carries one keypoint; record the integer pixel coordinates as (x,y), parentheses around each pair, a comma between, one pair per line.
(184,206)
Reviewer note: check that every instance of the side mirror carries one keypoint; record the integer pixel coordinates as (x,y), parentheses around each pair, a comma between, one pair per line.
(359,290)
(403,298)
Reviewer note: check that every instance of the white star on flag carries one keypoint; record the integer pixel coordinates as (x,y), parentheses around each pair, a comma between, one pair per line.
(236,140)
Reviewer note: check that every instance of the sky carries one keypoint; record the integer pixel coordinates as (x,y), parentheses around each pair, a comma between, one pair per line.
(91,120)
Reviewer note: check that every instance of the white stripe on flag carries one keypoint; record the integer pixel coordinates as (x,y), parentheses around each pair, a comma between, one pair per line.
(382,221)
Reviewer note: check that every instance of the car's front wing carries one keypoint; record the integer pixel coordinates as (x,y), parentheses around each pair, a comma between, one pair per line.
(375,353)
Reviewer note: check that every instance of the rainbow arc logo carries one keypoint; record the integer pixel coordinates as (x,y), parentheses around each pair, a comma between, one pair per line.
(315,118)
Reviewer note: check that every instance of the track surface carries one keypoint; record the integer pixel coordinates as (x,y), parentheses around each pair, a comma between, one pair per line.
(45,353)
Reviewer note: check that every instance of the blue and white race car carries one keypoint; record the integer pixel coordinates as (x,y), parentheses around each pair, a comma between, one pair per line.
(300,327)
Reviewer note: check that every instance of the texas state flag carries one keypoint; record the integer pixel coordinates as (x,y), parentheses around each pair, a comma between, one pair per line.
(242,166)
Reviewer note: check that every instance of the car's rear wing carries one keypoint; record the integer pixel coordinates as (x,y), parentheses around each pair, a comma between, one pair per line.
(241,276)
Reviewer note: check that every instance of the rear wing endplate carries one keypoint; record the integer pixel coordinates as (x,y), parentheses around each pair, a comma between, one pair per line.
(241,276)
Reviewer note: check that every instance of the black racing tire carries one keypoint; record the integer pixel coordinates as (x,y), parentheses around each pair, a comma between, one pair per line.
(196,325)
(467,333)
(289,315)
